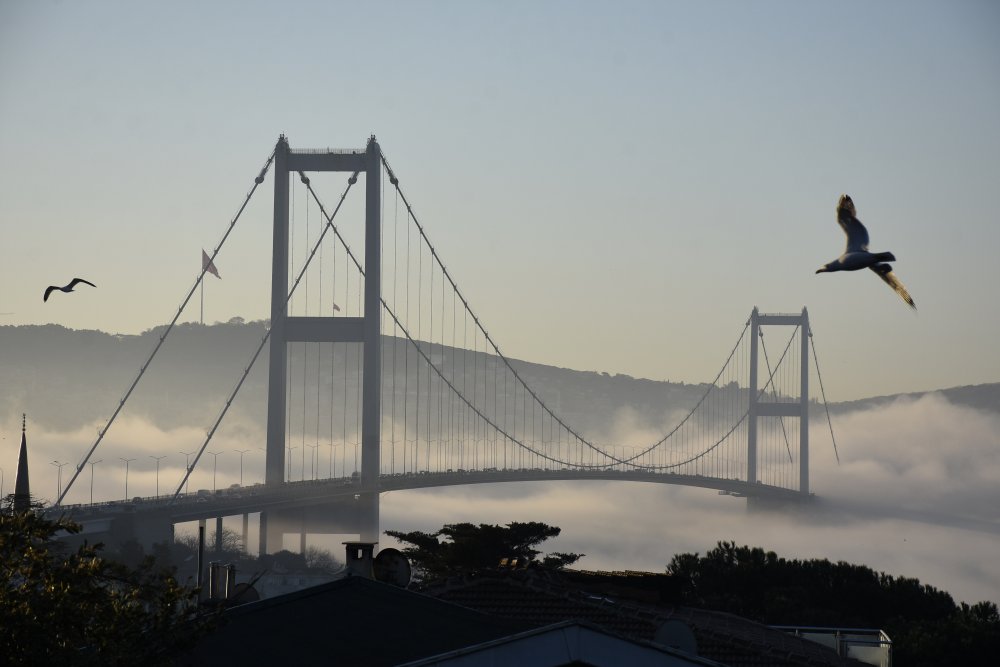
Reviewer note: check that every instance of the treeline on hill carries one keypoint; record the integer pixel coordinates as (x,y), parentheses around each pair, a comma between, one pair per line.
(925,624)
(66,379)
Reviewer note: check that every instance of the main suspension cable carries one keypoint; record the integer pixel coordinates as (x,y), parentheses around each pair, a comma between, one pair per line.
(142,370)
(823,391)
(422,353)
(395,181)
(267,335)
(486,419)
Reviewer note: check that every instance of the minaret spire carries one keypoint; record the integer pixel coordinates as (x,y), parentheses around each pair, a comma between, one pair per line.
(22,490)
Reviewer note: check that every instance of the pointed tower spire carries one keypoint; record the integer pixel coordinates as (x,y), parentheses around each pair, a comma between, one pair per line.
(22,491)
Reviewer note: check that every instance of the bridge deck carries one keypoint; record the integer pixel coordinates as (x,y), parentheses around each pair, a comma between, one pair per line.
(249,499)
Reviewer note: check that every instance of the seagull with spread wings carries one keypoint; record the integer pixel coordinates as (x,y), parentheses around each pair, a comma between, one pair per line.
(857,256)
(66,288)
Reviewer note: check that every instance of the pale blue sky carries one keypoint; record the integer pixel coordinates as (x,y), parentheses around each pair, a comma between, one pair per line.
(613,185)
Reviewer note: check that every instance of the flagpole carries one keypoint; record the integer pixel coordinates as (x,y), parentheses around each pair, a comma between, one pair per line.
(202,300)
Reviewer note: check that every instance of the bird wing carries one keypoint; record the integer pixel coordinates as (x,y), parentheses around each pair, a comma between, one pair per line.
(857,235)
(48,291)
(76,281)
(884,272)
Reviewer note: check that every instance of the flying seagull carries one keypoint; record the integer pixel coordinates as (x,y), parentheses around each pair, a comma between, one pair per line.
(856,255)
(66,288)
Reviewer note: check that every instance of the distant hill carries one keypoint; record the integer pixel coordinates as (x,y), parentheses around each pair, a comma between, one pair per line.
(67,379)
(980,396)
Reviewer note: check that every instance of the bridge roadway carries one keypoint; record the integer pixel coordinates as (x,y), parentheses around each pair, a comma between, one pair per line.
(238,500)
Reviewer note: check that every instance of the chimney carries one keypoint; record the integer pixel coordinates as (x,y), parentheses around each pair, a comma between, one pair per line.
(230,580)
(214,570)
(360,559)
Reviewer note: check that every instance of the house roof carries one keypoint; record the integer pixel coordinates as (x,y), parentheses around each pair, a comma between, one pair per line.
(544,597)
(565,643)
(351,621)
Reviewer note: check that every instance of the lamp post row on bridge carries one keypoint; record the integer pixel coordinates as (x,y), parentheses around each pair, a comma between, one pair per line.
(312,459)
(92,464)
(215,467)
(59,465)
(127,461)
(157,458)
(241,452)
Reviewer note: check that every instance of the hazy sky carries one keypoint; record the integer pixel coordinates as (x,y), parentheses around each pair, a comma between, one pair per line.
(613,185)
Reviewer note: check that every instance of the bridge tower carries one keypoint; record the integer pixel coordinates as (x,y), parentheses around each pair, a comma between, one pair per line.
(365,329)
(798,408)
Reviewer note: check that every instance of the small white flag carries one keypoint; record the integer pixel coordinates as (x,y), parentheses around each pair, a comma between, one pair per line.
(208,265)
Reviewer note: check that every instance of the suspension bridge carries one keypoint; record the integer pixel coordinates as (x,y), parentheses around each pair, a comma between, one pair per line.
(401,385)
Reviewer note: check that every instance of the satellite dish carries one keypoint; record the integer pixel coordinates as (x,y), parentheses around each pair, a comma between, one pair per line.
(678,635)
(392,567)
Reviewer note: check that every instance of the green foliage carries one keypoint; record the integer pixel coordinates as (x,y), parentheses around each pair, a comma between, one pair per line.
(926,626)
(78,608)
(466,547)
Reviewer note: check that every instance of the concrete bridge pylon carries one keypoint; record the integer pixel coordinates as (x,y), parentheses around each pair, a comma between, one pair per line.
(365,330)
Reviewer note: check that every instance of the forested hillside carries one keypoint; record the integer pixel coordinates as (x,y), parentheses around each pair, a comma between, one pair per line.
(68,378)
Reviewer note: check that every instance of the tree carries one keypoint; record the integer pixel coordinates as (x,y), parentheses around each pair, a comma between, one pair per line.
(322,560)
(75,607)
(926,626)
(467,547)
(232,545)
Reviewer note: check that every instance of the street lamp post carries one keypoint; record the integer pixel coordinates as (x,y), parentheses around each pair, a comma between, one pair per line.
(312,459)
(127,461)
(59,466)
(157,472)
(187,470)
(290,448)
(215,467)
(1,482)
(241,453)
(92,464)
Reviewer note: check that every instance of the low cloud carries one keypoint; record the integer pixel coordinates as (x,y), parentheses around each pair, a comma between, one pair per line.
(137,439)
(915,494)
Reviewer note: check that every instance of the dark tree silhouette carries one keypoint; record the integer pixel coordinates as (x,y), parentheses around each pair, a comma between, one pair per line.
(61,607)
(926,626)
(466,547)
